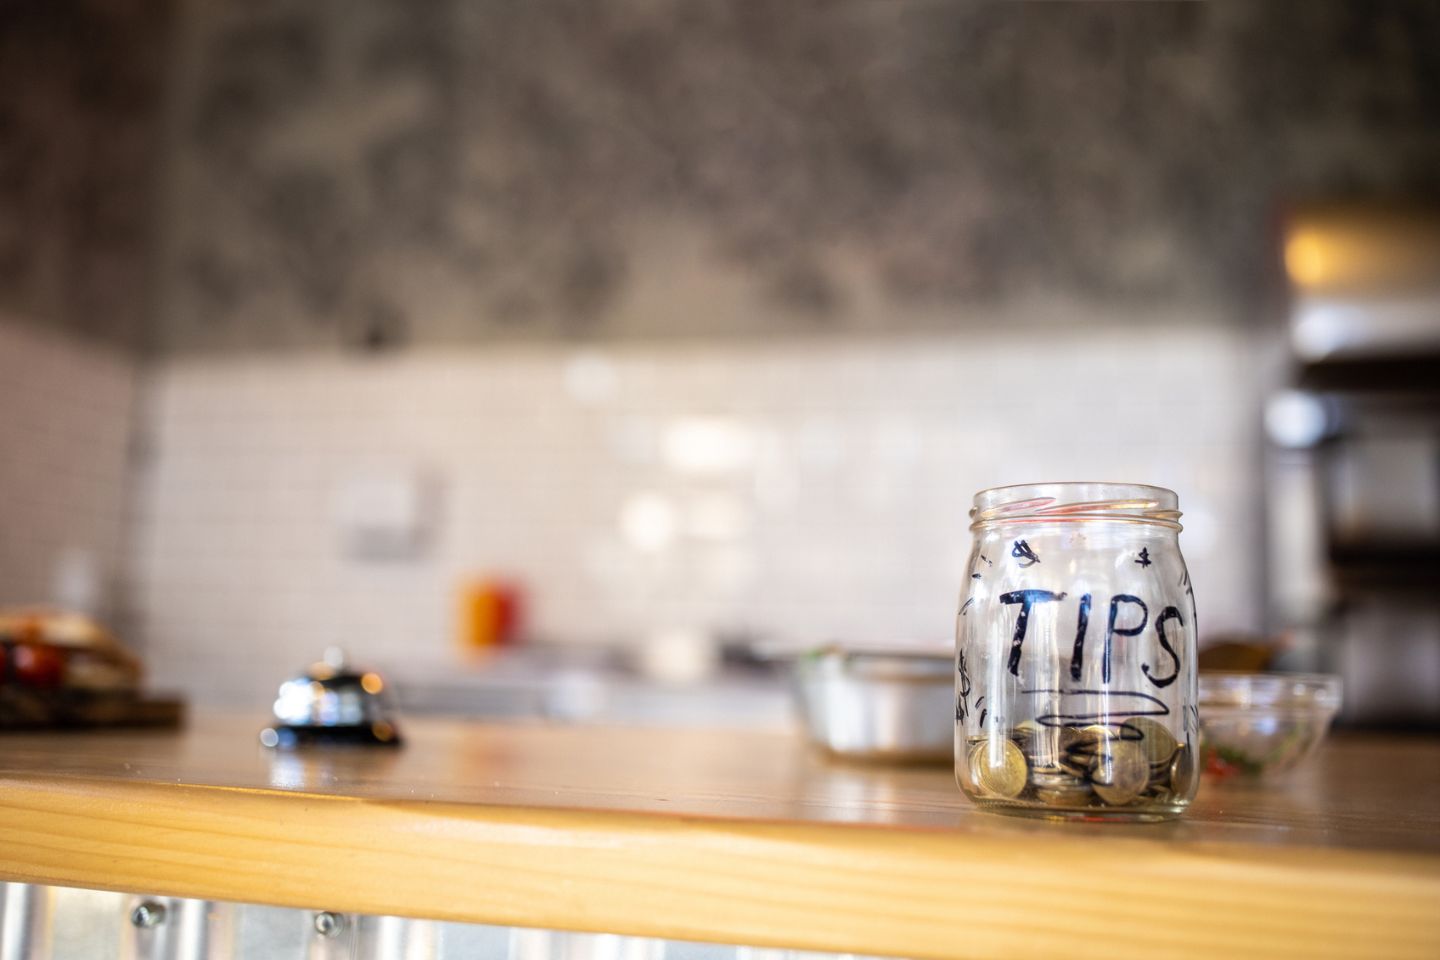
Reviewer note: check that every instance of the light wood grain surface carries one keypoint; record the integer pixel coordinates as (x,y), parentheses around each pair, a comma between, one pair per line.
(734,837)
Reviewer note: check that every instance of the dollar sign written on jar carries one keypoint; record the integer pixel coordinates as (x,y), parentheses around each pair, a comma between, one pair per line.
(962,701)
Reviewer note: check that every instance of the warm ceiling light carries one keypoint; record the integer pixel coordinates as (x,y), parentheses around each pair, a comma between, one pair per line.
(1305,259)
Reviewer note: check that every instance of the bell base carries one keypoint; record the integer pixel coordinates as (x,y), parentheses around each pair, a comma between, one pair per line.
(293,736)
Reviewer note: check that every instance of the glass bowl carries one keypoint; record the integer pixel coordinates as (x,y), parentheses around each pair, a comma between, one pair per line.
(1254,724)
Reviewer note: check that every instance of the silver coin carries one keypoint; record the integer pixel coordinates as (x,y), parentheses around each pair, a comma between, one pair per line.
(1121,772)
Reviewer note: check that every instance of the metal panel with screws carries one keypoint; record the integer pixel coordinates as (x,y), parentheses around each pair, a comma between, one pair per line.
(66,923)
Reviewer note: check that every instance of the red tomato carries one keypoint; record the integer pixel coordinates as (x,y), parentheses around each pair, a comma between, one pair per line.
(39,666)
(1218,767)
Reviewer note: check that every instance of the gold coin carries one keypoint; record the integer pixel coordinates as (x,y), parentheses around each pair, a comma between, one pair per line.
(1096,733)
(1077,796)
(1182,772)
(1082,740)
(1154,737)
(972,767)
(1087,741)
(1060,789)
(1028,737)
(1052,779)
(1070,737)
(1000,768)
(1121,772)
(1039,747)
(1024,730)
(1079,748)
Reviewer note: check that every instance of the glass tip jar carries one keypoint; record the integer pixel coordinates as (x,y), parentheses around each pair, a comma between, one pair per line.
(1075,681)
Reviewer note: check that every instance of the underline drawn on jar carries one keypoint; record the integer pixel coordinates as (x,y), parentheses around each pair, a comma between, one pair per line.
(1022,552)
(1144,560)
(1126,732)
(1152,706)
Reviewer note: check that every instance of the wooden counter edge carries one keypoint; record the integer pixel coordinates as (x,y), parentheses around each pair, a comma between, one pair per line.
(835,887)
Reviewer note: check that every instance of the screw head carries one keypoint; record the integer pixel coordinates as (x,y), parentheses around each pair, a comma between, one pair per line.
(148,914)
(328,924)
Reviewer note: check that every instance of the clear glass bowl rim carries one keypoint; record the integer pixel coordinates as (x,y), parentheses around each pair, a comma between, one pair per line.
(1224,692)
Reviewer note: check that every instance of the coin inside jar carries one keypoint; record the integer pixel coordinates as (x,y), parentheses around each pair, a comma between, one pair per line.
(1092,736)
(1025,730)
(1078,796)
(999,768)
(1182,772)
(1059,789)
(1080,747)
(1154,738)
(1121,772)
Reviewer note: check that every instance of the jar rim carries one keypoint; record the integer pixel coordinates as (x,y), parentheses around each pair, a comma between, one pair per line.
(1073,501)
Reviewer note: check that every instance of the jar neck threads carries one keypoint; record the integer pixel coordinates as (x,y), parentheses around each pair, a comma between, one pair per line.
(1075,502)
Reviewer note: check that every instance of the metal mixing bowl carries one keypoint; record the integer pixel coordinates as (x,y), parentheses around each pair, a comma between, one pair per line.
(877,704)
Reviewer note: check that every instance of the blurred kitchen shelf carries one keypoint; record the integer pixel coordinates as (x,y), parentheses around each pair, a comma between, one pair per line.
(521,689)
(1385,567)
(728,836)
(1417,373)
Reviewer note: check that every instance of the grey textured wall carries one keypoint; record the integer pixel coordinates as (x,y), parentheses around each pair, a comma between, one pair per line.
(80,108)
(342,171)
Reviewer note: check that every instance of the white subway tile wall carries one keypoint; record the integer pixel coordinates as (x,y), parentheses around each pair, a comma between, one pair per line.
(65,417)
(805,491)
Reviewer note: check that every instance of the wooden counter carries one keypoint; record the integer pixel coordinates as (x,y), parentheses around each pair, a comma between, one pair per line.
(734,837)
